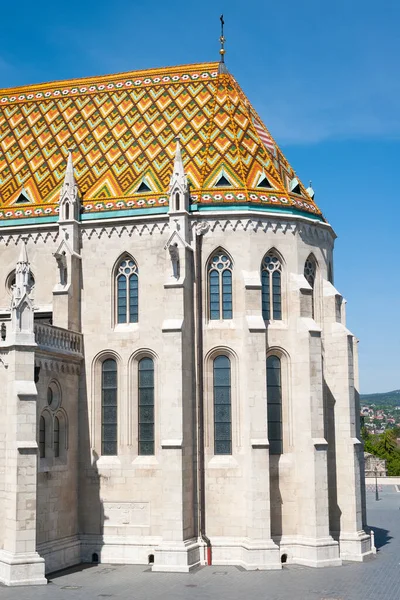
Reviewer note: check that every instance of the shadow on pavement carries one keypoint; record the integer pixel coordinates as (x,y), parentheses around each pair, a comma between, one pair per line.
(382,537)
(71,570)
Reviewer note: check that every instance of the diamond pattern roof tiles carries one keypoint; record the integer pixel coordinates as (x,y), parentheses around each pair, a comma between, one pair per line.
(123,127)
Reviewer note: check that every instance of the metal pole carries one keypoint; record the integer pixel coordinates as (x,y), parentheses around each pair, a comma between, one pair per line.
(376,484)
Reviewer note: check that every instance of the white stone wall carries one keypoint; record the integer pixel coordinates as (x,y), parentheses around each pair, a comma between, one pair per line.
(130,506)
(57,495)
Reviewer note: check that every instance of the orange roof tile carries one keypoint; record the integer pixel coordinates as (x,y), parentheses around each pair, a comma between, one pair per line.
(123,127)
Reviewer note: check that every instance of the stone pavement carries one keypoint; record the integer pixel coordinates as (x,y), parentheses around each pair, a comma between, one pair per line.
(376,579)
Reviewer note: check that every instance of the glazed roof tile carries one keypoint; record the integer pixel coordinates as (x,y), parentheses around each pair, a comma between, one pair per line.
(122,129)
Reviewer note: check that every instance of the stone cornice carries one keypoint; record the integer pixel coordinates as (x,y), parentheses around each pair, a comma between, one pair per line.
(51,363)
(308,229)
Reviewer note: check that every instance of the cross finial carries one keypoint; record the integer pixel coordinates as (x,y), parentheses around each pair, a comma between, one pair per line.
(222,67)
(222,38)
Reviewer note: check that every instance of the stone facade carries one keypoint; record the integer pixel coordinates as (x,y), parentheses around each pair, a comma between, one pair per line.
(306,503)
(248,497)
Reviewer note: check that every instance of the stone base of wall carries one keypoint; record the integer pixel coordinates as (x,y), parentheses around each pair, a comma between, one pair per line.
(128,550)
(244,552)
(22,569)
(356,546)
(311,552)
(178,557)
(60,554)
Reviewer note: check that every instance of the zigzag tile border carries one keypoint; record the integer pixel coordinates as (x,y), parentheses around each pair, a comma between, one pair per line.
(101,87)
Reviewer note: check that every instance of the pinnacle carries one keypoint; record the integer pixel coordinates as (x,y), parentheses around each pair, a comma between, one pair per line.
(23,255)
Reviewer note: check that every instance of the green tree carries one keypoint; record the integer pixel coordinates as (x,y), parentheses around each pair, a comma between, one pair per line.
(369,441)
(386,445)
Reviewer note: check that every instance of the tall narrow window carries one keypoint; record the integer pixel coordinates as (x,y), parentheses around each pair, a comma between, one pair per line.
(127,290)
(271,292)
(220,286)
(330,273)
(109,407)
(42,437)
(56,437)
(274,404)
(222,406)
(146,406)
(310,270)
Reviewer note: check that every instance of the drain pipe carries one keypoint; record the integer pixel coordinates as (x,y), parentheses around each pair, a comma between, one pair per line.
(201,229)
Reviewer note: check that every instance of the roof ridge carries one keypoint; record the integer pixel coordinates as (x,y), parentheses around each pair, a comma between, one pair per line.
(108,76)
(278,149)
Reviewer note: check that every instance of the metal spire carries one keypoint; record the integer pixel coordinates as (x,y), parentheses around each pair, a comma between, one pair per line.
(310,191)
(222,67)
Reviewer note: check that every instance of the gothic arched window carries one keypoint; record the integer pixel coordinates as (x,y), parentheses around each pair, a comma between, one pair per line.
(42,437)
(220,286)
(109,407)
(271,292)
(146,406)
(56,437)
(127,291)
(310,271)
(222,405)
(330,273)
(274,404)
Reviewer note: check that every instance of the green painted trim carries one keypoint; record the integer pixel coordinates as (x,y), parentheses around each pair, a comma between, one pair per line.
(28,221)
(110,214)
(252,207)
(158,210)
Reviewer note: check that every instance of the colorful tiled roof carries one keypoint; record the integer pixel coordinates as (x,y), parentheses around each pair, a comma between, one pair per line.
(122,130)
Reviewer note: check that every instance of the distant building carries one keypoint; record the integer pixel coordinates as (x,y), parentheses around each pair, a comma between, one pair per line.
(374,466)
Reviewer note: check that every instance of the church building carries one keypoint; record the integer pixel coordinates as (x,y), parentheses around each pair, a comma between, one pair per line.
(179,385)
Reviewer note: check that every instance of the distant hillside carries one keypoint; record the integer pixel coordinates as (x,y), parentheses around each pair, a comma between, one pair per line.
(386,399)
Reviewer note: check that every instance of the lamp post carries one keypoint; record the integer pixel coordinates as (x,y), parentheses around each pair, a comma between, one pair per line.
(376,483)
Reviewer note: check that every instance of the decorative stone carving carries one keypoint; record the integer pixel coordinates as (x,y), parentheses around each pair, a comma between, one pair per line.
(174,254)
(202,227)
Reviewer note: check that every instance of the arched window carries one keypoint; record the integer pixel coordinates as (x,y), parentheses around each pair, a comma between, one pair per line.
(109,407)
(220,286)
(274,404)
(222,406)
(127,289)
(56,437)
(146,406)
(271,292)
(177,201)
(330,273)
(310,271)
(42,437)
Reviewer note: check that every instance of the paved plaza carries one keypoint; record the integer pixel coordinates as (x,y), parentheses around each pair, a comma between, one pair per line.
(377,579)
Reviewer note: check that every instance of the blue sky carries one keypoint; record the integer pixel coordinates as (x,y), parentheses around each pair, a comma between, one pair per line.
(325,79)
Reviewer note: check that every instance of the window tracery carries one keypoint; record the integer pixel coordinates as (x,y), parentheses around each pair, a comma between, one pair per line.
(127,291)
(220,286)
(271,284)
